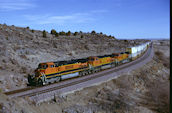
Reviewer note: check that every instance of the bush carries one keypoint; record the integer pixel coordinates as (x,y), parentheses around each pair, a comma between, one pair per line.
(82,36)
(80,32)
(44,33)
(113,37)
(110,36)
(57,34)
(53,32)
(76,33)
(93,32)
(159,53)
(27,27)
(101,33)
(68,33)
(32,31)
(62,33)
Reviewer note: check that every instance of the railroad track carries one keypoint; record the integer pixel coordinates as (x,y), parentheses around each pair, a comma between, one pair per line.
(33,91)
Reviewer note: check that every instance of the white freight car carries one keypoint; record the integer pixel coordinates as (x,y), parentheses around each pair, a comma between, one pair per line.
(136,51)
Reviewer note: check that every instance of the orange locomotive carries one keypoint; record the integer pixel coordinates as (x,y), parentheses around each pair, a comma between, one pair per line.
(54,71)
(50,72)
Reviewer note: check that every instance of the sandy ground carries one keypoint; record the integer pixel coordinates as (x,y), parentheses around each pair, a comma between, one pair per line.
(144,90)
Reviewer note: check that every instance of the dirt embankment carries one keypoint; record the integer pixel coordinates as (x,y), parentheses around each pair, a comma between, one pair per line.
(144,90)
(22,49)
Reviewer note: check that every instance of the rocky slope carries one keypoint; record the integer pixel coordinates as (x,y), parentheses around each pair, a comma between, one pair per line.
(22,49)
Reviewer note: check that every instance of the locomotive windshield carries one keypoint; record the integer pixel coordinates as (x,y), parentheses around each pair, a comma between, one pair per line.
(42,66)
(91,59)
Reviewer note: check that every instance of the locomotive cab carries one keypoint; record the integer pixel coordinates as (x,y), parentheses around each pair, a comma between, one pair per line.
(39,76)
(94,61)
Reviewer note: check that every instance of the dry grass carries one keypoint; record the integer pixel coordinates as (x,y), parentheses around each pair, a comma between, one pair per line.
(163,59)
(159,94)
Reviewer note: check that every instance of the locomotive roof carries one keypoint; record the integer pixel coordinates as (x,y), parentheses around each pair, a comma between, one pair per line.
(103,56)
(65,62)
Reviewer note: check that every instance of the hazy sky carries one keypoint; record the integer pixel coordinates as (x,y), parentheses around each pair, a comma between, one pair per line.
(120,18)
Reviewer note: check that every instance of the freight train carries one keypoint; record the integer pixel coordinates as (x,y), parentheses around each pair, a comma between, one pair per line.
(50,72)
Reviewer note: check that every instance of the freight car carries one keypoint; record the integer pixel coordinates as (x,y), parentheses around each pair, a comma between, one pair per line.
(137,51)
(50,72)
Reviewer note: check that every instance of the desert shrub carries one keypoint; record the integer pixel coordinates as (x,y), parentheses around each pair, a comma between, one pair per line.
(62,33)
(44,33)
(23,56)
(13,61)
(76,33)
(53,32)
(162,58)
(32,31)
(125,40)
(82,36)
(57,34)
(93,32)
(161,43)
(158,53)
(4,61)
(7,37)
(86,47)
(113,37)
(68,33)
(166,64)
(70,54)
(23,69)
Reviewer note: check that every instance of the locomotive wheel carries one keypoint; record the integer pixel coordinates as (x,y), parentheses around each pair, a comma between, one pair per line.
(113,65)
(82,73)
(93,71)
(58,79)
(86,72)
(89,72)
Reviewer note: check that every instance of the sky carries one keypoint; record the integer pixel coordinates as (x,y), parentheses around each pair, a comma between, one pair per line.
(124,19)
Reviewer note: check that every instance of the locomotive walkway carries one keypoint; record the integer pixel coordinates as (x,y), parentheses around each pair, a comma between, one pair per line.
(40,94)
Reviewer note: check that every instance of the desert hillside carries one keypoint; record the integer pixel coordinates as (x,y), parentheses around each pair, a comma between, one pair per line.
(22,49)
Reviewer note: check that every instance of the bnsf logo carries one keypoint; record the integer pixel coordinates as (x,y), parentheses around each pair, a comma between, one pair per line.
(69,67)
